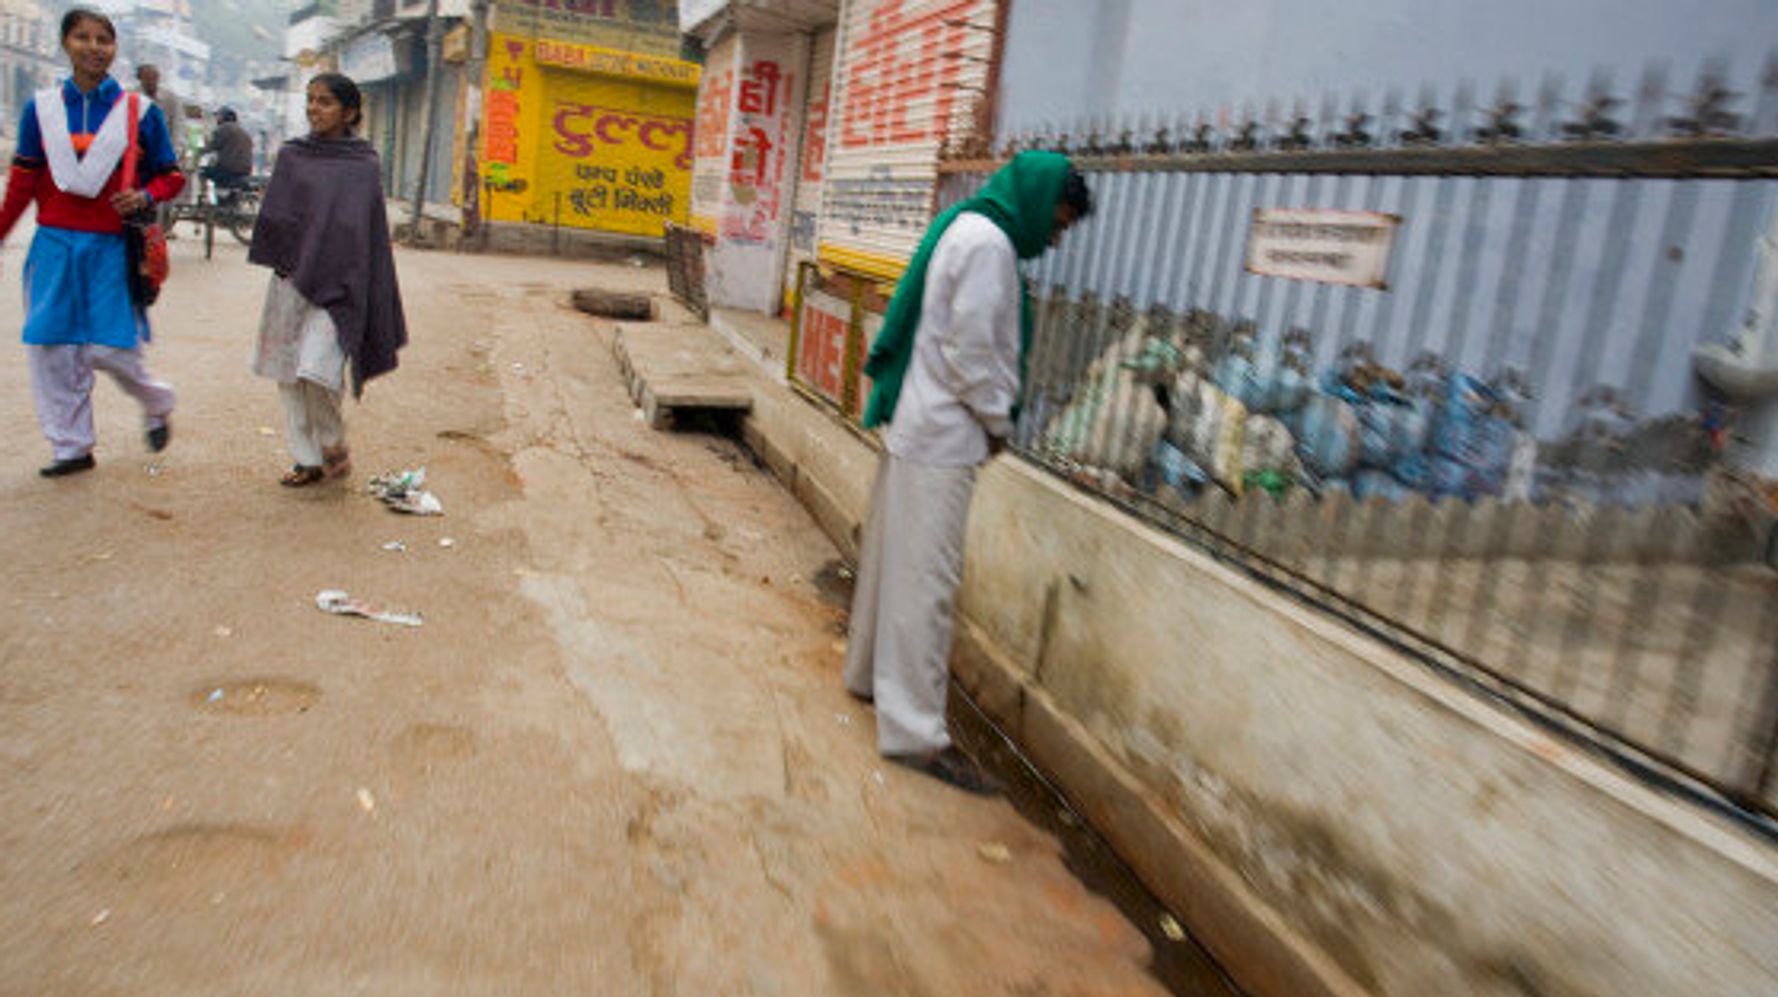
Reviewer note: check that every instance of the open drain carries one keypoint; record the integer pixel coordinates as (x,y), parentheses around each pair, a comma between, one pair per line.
(265,697)
(834,583)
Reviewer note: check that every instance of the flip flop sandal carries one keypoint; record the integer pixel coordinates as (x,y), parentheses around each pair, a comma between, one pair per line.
(300,476)
(337,462)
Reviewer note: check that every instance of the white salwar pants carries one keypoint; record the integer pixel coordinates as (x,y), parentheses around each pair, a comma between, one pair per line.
(313,422)
(62,384)
(898,647)
(299,348)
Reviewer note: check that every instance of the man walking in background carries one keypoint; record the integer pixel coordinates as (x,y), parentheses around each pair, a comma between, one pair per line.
(148,81)
(947,371)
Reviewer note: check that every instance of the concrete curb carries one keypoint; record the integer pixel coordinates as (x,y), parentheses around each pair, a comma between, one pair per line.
(830,470)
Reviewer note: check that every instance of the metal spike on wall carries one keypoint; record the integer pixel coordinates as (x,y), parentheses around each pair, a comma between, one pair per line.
(1423,124)
(1709,108)
(1596,119)
(1502,125)
(1355,131)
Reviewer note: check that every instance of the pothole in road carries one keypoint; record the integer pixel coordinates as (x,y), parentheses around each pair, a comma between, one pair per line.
(263,697)
(426,747)
(205,857)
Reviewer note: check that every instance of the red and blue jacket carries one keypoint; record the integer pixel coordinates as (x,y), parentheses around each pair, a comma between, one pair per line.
(157,168)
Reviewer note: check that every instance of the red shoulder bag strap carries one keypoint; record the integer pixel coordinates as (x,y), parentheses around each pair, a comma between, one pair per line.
(130,151)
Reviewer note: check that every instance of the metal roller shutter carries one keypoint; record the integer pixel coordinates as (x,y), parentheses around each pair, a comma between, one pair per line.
(909,78)
(806,210)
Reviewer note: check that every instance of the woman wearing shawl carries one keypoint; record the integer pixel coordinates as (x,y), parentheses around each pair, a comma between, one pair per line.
(946,370)
(73,152)
(333,307)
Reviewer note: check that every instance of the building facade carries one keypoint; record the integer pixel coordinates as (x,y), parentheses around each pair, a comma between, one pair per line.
(586,118)
(29,56)
(820,128)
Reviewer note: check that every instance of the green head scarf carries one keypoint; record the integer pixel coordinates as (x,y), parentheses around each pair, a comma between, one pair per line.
(1021,201)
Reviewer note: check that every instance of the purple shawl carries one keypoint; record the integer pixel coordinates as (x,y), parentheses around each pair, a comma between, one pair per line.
(324,225)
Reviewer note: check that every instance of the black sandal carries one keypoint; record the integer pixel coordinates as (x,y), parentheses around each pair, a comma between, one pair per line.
(68,465)
(300,476)
(954,767)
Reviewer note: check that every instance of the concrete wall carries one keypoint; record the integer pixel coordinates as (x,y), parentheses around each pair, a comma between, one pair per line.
(1418,840)
(1329,817)
(1067,59)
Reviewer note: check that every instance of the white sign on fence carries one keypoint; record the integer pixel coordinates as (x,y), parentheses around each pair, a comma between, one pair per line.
(1331,247)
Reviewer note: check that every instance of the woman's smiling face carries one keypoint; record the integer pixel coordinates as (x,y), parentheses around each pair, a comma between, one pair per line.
(91,48)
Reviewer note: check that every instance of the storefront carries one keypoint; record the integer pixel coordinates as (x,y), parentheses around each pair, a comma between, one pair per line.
(805,211)
(911,76)
(580,134)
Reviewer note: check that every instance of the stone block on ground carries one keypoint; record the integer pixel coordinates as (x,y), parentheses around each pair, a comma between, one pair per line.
(677,368)
(614,304)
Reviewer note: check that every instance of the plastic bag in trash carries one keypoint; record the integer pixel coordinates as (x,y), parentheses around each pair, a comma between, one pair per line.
(404,491)
(1372,483)
(1113,420)
(1262,381)
(1455,479)
(1273,483)
(1170,467)
(1413,470)
(1392,425)
(1209,427)
(1157,359)
(1266,445)
(1328,436)
(1471,435)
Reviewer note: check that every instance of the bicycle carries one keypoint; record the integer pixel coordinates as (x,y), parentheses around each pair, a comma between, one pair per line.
(234,207)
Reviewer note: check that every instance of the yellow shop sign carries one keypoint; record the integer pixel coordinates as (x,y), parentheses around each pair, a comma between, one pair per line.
(610,62)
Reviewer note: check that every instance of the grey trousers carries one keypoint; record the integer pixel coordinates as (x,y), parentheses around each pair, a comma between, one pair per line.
(898,647)
(62,383)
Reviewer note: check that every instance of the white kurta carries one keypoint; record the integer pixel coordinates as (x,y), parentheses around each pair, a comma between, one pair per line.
(960,387)
(963,379)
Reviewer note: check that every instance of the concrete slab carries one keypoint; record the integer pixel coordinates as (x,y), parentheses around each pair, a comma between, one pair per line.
(674,367)
(764,339)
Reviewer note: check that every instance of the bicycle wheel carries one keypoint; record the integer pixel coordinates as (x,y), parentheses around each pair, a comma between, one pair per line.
(242,216)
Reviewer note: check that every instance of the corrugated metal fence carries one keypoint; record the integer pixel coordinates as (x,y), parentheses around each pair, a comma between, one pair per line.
(1429,367)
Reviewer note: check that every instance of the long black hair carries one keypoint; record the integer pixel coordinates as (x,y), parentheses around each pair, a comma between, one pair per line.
(75,15)
(346,92)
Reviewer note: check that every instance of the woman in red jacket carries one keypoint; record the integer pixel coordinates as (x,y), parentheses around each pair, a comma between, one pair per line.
(79,313)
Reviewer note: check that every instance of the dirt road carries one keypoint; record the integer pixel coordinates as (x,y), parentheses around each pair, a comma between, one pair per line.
(616,758)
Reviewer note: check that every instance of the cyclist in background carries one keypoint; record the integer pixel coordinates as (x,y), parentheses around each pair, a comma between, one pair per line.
(233,149)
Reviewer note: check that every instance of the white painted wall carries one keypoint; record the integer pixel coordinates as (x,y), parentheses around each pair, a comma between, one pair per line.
(1066,59)
(693,13)
(745,268)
